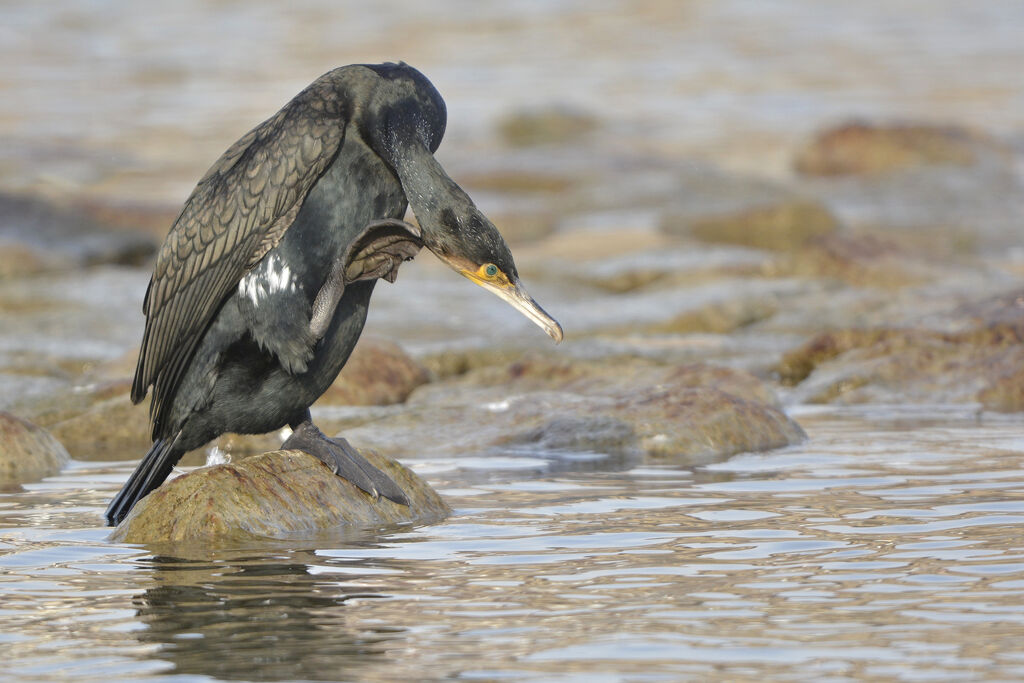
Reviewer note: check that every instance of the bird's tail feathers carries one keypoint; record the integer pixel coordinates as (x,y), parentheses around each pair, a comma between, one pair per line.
(156,465)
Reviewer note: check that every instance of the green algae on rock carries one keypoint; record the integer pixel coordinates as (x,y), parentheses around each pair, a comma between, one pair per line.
(28,452)
(274,495)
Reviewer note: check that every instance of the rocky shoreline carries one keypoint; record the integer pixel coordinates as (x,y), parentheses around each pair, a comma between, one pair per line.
(697,305)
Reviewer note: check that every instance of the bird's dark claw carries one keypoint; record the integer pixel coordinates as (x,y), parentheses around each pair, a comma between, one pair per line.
(345,461)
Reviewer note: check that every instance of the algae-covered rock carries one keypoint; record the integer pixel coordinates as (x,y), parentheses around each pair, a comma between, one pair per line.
(976,357)
(27,452)
(280,494)
(861,149)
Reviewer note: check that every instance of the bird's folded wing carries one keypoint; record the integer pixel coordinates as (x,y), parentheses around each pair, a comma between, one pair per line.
(376,253)
(381,249)
(236,214)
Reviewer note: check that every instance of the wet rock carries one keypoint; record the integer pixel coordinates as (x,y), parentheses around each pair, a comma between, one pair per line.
(978,359)
(691,413)
(378,372)
(864,149)
(556,125)
(614,378)
(281,494)
(582,433)
(455,362)
(65,405)
(28,453)
(111,429)
(704,425)
(1004,391)
(782,226)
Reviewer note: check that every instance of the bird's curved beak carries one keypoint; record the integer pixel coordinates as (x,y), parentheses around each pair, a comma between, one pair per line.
(512,292)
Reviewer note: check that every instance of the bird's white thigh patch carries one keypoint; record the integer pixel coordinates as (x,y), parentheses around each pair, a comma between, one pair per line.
(279,275)
(271,277)
(251,288)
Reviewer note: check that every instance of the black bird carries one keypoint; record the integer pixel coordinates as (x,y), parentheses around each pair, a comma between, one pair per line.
(261,288)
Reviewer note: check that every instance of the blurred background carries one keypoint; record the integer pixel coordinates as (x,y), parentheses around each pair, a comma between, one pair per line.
(800,216)
(131,103)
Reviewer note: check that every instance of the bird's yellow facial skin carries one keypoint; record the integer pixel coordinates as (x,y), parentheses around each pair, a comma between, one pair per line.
(494,280)
(491,274)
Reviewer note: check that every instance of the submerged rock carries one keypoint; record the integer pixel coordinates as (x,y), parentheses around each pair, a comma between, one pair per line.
(27,452)
(690,414)
(862,149)
(280,494)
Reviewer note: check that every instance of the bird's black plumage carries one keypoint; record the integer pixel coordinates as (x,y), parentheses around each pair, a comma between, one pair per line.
(261,288)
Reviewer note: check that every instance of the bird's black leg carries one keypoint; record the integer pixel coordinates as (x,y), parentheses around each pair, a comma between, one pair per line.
(344,460)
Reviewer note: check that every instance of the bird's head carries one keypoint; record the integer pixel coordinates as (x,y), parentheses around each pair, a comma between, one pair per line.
(405,123)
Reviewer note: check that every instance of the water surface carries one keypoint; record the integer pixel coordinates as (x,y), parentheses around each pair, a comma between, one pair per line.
(886,546)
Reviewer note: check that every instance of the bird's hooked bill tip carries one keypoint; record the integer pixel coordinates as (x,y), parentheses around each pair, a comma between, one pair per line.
(511,292)
(554,330)
(525,304)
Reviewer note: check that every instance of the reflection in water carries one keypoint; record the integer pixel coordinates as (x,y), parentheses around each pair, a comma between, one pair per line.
(255,618)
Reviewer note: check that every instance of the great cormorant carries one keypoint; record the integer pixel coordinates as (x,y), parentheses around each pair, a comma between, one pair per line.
(261,288)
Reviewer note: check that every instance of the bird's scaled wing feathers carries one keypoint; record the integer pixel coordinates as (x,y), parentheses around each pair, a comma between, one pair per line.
(239,211)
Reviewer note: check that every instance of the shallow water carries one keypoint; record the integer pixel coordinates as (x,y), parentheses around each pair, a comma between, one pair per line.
(887,545)
(112,97)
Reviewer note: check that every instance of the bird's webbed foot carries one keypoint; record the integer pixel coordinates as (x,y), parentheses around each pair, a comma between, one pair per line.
(376,253)
(345,461)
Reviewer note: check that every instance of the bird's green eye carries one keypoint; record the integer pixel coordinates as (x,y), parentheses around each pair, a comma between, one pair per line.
(490,270)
